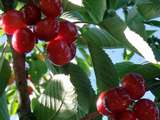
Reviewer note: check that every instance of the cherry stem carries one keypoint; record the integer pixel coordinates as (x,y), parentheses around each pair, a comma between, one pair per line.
(91,116)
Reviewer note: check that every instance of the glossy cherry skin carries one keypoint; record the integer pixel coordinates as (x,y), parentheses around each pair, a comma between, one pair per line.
(126,115)
(59,52)
(146,110)
(23,40)
(73,50)
(67,32)
(11,21)
(135,85)
(51,8)
(101,105)
(31,13)
(47,29)
(118,99)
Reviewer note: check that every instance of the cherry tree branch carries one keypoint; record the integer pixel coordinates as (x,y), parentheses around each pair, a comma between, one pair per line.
(21,83)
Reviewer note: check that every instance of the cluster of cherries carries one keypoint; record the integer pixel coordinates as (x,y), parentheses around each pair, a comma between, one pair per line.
(125,102)
(28,25)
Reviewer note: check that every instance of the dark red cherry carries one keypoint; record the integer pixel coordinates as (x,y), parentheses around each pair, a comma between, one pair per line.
(134,84)
(51,8)
(73,50)
(126,115)
(118,99)
(23,40)
(67,32)
(11,21)
(31,13)
(47,29)
(59,52)
(146,110)
(101,105)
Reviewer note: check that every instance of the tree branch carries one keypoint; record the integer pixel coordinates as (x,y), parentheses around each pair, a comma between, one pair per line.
(21,83)
(91,116)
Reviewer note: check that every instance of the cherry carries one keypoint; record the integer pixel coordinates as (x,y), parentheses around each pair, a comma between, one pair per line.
(11,21)
(126,115)
(67,32)
(51,8)
(73,50)
(117,99)
(31,13)
(47,29)
(135,85)
(101,105)
(146,110)
(59,52)
(23,40)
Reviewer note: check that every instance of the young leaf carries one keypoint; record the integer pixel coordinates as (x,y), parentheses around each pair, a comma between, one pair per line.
(58,101)
(3,110)
(5,73)
(95,9)
(86,95)
(105,72)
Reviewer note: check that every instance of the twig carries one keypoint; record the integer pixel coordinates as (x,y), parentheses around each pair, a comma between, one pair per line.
(91,116)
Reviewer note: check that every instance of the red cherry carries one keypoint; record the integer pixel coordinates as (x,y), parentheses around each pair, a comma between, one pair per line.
(51,8)
(23,40)
(126,115)
(11,21)
(31,13)
(101,105)
(73,50)
(47,29)
(67,32)
(146,110)
(117,99)
(59,52)
(135,85)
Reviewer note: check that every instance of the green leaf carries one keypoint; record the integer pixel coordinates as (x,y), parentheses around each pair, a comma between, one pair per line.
(58,102)
(115,4)
(5,73)
(96,9)
(127,55)
(84,65)
(86,95)
(37,69)
(153,23)
(135,22)
(149,9)
(104,69)
(115,27)
(149,72)
(3,110)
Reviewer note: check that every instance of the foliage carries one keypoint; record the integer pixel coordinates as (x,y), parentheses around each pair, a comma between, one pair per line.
(66,93)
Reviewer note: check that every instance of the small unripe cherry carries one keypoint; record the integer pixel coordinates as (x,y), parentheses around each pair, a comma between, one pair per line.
(51,8)
(67,32)
(47,29)
(126,115)
(11,21)
(101,105)
(118,99)
(31,13)
(134,83)
(146,110)
(59,52)
(23,40)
